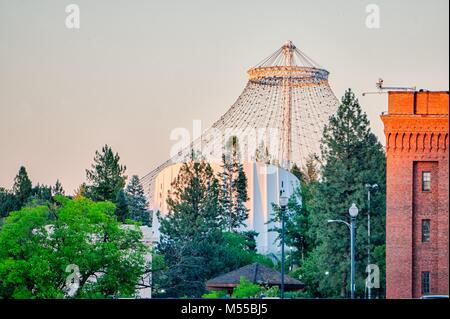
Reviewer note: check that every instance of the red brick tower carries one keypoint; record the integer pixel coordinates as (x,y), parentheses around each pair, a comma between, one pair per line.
(416,129)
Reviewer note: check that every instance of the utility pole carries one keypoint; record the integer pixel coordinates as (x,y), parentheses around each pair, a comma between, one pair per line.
(369,187)
(283,204)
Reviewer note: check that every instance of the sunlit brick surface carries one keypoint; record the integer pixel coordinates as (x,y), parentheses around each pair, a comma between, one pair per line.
(416,129)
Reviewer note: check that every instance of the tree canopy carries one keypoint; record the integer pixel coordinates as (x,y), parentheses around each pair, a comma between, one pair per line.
(351,157)
(107,176)
(37,244)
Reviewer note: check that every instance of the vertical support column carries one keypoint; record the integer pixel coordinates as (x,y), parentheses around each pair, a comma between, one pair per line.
(288,51)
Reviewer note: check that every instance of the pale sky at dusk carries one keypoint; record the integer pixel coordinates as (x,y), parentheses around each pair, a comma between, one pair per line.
(136,69)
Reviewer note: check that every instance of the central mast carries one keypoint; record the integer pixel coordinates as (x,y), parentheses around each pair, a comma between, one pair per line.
(286,158)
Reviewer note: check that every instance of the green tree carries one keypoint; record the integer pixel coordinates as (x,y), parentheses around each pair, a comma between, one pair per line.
(121,206)
(106,176)
(216,294)
(23,187)
(351,157)
(40,195)
(137,202)
(8,202)
(38,244)
(58,189)
(233,187)
(191,234)
(296,223)
(247,289)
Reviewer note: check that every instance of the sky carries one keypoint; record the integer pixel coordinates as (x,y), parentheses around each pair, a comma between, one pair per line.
(137,69)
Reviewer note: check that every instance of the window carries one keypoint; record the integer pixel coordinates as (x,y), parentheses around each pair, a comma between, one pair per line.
(426,225)
(425,283)
(426,181)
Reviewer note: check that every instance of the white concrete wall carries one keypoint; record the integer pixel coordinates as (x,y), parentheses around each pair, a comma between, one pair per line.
(264,184)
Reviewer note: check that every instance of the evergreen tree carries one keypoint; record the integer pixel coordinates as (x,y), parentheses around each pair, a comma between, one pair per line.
(107,175)
(22,188)
(58,189)
(297,172)
(310,170)
(296,223)
(351,157)
(137,202)
(8,202)
(121,206)
(40,195)
(233,188)
(241,197)
(191,236)
(82,191)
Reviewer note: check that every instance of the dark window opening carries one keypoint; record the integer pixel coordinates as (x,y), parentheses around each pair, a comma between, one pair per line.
(426,230)
(425,283)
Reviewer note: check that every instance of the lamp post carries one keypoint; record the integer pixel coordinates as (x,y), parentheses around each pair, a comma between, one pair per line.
(353,211)
(369,187)
(283,204)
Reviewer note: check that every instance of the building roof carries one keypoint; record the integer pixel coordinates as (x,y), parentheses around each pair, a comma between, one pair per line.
(255,273)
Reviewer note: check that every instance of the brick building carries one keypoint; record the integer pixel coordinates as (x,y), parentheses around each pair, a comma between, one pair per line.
(416,129)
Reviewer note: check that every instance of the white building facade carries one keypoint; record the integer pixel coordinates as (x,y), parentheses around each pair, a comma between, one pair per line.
(264,185)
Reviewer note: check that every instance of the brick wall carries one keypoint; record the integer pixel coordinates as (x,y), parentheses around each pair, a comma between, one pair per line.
(416,131)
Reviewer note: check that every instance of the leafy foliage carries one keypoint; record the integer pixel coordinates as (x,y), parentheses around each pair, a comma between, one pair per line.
(38,243)
(246,289)
(8,202)
(216,294)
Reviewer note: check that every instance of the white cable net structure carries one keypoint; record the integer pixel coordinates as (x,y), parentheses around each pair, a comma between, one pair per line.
(278,118)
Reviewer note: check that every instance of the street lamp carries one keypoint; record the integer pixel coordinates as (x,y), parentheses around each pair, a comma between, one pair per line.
(283,204)
(369,187)
(353,211)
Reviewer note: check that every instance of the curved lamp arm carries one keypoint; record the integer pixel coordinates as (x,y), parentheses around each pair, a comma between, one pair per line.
(339,221)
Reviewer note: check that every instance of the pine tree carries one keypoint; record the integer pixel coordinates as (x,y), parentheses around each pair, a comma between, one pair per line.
(107,175)
(137,202)
(22,188)
(297,172)
(58,189)
(233,188)
(351,157)
(310,170)
(8,202)
(40,195)
(81,191)
(121,206)
(240,210)
(191,236)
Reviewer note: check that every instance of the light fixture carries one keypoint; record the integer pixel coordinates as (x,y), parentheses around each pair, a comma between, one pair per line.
(284,201)
(353,210)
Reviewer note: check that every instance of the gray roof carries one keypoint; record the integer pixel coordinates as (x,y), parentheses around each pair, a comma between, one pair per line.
(255,273)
